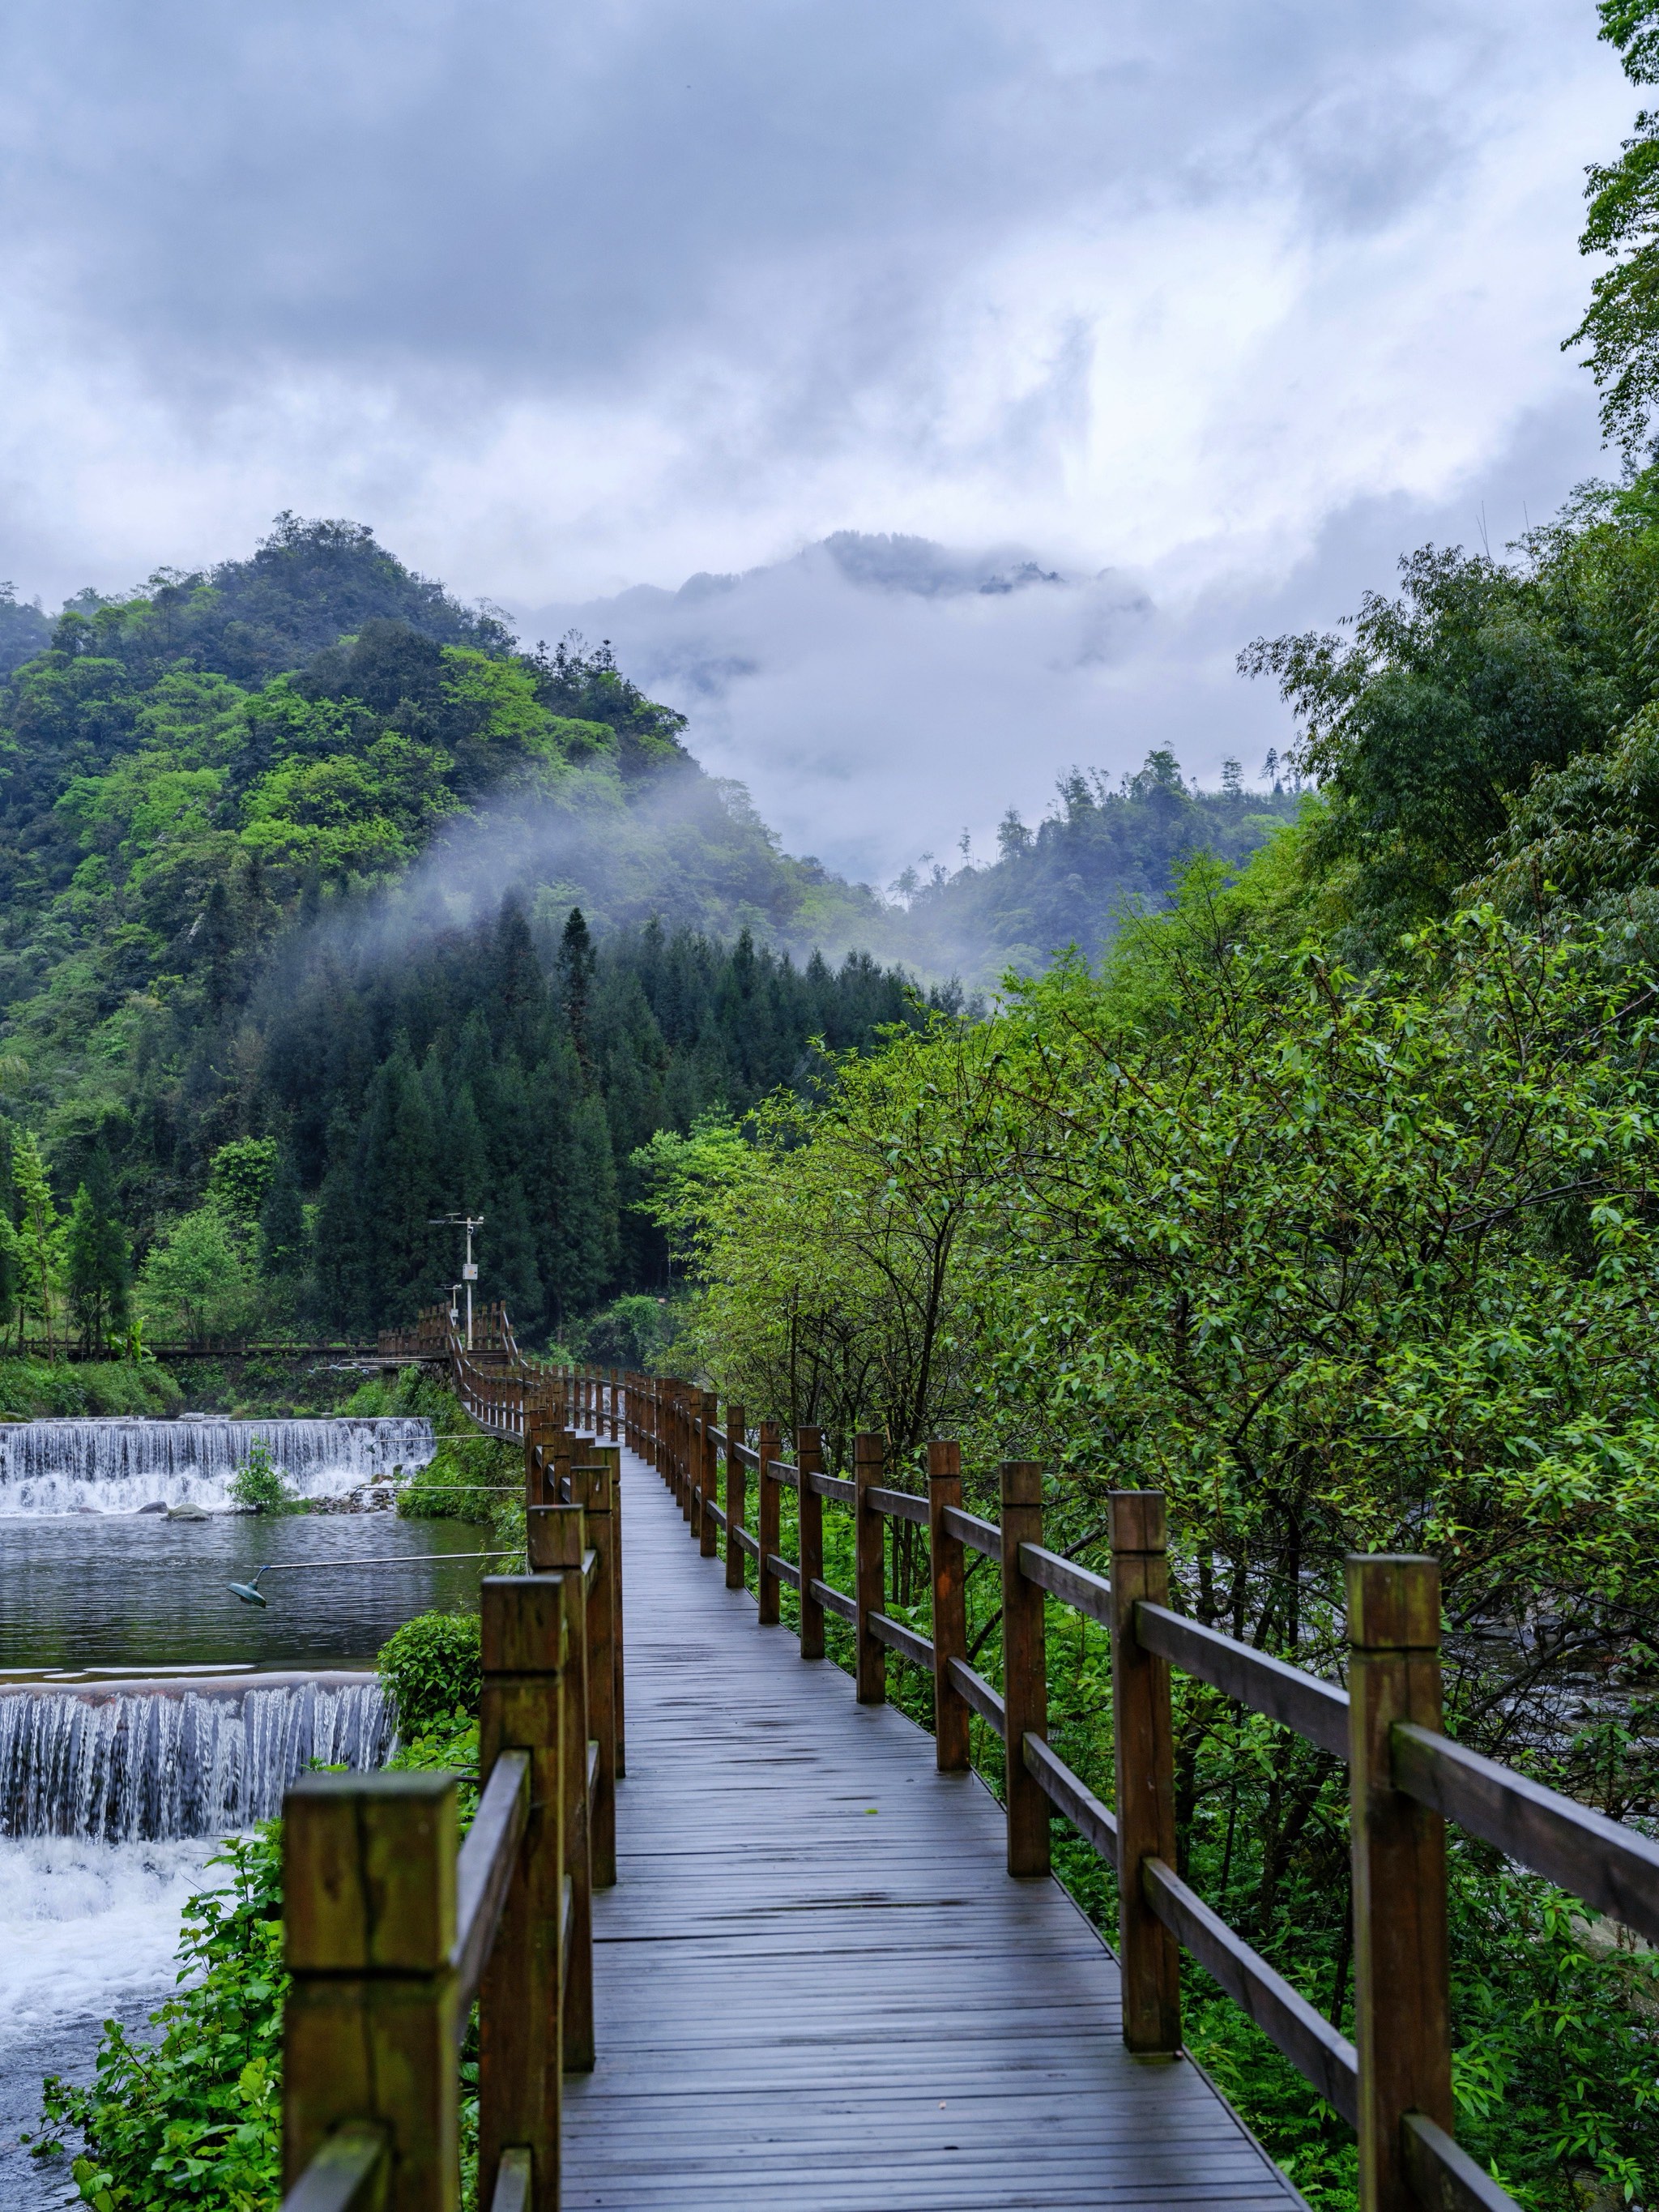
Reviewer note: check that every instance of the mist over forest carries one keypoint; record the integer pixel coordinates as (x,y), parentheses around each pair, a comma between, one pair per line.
(330,908)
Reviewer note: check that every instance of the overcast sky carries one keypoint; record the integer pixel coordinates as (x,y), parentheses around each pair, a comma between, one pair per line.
(1233,301)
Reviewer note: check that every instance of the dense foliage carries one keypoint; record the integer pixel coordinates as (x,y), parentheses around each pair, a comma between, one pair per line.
(431,1669)
(1326,1203)
(1621,325)
(1101,853)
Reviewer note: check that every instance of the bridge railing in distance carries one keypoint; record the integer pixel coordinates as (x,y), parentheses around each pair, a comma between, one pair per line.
(1407,1777)
(392,1931)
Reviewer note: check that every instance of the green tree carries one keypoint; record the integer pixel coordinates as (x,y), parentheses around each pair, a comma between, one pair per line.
(37,1234)
(283,1239)
(97,1260)
(1621,325)
(239,1174)
(197,1283)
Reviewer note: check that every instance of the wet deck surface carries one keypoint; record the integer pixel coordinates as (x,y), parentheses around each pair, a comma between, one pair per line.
(816,1985)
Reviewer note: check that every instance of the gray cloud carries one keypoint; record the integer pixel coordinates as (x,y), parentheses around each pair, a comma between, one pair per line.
(880,695)
(570,301)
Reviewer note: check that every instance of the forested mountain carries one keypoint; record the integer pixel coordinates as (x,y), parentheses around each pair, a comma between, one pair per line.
(1101,854)
(291,857)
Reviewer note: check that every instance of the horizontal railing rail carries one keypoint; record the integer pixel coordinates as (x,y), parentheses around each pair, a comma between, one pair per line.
(1407,1777)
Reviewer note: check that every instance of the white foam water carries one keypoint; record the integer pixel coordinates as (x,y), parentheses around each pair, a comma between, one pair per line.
(86,1925)
(117,1466)
(155,1766)
(87,1930)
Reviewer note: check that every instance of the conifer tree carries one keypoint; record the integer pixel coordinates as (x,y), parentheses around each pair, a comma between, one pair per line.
(97,1259)
(37,1236)
(577,961)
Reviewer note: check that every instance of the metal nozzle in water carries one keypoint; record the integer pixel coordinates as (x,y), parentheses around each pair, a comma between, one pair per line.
(249,1592)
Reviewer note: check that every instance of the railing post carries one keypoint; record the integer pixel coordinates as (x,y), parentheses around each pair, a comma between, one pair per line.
(368,2031)
(1401,2003)
(869,1566)
(736,1434)
(1025,1666)
(1148,1958)
(809,1457)
(708,1413)
(520,2058)
(768,1497)
(682,1446)
(617,1424)
(952,1712)
(592,1487)
(610,1455)
(555,1542)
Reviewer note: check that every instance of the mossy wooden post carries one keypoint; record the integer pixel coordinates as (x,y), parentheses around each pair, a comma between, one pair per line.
(609,1456)
(1401,2007)
(1025,1666)
(708,1417)
(869,1566)
(592,1490)
(555,1540)
(767,1498)
(520,2054)
(1148,1961)
(736,1435)
(368,2029)
(952,1712)
(809,1457)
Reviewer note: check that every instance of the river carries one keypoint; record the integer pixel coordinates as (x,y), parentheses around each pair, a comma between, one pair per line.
(112,1799)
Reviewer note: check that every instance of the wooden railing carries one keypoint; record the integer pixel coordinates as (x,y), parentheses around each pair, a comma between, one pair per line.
(392,1931)
(1407,1777)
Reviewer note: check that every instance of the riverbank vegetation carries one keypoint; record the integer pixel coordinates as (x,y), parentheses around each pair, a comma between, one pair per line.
(31,1389)
(190,2111)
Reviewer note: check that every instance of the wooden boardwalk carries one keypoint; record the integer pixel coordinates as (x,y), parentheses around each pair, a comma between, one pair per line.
(817,1987)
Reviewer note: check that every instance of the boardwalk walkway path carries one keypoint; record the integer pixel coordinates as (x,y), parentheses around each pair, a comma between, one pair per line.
(817,1988)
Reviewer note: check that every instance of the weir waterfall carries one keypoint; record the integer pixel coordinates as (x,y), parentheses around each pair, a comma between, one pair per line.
(116,1466)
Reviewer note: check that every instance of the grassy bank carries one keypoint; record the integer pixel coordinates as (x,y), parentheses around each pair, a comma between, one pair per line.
(32,1388)
(470,1477)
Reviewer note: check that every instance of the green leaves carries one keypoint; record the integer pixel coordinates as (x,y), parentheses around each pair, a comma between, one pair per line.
(194,2116)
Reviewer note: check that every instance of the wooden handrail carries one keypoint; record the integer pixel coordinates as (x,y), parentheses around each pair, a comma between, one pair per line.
(391,1929)
(1406,1775)
(483,1871)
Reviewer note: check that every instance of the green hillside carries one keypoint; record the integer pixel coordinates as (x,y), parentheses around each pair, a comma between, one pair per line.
(328,910)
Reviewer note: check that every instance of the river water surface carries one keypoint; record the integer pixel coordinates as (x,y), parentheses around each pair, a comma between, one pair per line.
(95,1788)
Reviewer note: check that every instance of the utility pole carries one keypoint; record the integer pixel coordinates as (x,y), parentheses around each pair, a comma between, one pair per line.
(469,1272)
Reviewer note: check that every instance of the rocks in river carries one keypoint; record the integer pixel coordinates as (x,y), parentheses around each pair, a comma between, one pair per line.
(186,1512)
(155,1505)
(369,1498)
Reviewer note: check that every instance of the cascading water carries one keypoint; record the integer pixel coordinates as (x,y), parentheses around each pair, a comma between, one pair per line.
(119,1766)
(121,1466)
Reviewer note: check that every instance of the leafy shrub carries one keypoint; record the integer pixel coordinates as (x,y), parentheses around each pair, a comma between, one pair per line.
(433,1668)
(258,1485)
(634,1331)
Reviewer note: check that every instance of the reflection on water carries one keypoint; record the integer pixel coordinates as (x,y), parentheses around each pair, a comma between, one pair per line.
(140,1591)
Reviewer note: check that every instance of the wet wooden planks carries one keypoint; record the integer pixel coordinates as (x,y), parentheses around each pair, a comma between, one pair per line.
(816,1985)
